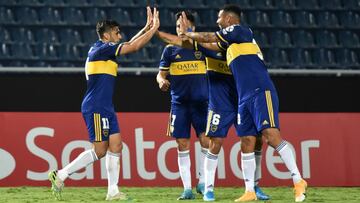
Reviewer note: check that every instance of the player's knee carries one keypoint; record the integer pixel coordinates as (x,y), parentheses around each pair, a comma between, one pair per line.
(272,136)
(100,152)
(183,144)
(116,147)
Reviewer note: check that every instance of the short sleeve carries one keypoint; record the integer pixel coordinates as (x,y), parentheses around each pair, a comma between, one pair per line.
(234,34)
(111,49)
(165,59)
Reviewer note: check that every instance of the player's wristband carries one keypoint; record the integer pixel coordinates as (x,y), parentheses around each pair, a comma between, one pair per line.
(189,29)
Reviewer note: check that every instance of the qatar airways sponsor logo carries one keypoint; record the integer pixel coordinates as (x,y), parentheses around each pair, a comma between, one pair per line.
(138,154)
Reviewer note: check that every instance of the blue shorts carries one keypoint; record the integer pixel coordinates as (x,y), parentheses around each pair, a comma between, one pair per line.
(219,123)
(101,125)
(182,116)
(259,112)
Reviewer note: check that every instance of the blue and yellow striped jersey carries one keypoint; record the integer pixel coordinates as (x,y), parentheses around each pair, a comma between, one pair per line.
(100,70)
(187,74)
(245,60)
(222,89)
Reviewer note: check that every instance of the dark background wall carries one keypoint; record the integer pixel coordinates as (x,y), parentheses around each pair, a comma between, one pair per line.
(64,92)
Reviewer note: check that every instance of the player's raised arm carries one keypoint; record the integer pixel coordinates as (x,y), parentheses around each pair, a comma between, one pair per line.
(206,37)
(147,25)
(141,41)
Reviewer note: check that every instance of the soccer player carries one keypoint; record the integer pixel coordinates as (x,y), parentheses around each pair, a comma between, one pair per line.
(97,107)
(183,71)
(257,97)
(222,112)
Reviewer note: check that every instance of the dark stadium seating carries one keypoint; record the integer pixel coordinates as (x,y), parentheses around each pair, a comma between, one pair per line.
(291,33)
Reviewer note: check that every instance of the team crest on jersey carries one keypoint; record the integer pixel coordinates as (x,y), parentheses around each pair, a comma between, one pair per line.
(213,128)
(106,132)
(197,54)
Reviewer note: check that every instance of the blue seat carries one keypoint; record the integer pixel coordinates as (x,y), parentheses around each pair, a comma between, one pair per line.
(301,58)
(259,19)
(330,4)
(100,3)
(261,38)
(22,51)
(7,3)
(70,36)
(4,35)
(285,4)
(46,51)
(303,38)
(73,16)
(62,64)
(93,15)
(279,58)
(325,38)
(350,19)
(280,38)
(49,15)
(262,4)
(349,39)
(347,58)
(167,18)
(69,52)
(17,64)
(90,36)
(208,17)
(308,4)
(23,34)
(4,51)
(281,19)
(123,18)
(127,3)
(74,3)
(28,2)
(245,4)
(305,19)
(40,64)
(53,2)
(193,4)
(351,4)
(214,4)
(169,3)
(6,16)
(140,55)
(46,35)
(27,16)
(324,58)
(328,20)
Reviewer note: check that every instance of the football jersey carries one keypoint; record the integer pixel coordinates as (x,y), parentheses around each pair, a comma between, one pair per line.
(100,70)
(222,89)
(245,60)
(187,74)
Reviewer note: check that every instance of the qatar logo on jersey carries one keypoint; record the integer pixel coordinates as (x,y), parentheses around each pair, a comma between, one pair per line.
(7,165)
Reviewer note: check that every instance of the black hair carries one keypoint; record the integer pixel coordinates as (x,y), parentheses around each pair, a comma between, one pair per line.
(104,26)
(232,8)
(189,15)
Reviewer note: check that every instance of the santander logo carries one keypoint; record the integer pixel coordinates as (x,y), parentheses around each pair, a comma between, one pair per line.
(7,165)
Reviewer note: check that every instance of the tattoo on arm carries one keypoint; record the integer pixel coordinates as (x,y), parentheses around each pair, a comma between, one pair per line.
(203,36)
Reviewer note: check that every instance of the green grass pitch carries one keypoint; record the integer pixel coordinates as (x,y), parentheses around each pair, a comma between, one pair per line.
(169,194)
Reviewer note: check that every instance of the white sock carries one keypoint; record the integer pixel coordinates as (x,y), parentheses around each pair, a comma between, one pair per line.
(201,165)
(84,159)
(248,169)
(288,157)
(112,163)
(210,165)
(258,157)
(184,168)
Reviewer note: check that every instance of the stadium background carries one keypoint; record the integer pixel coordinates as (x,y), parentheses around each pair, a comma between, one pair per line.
(311,48)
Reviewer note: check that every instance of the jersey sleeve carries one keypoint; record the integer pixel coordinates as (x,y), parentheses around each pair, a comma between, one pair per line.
(111,49)
(234,34)
(165,59)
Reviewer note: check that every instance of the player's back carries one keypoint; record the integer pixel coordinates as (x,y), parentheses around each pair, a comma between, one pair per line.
(245,60)
(100,70)
(187,74)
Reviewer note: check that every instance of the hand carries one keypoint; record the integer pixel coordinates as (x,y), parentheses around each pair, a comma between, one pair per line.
(149,19)
(155,20)
(164,85)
